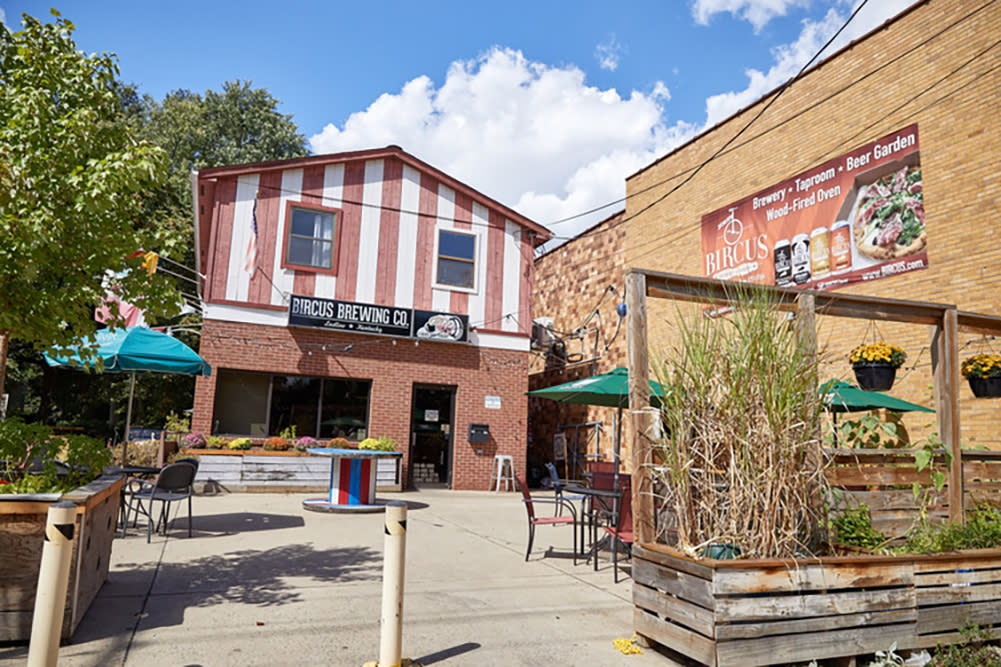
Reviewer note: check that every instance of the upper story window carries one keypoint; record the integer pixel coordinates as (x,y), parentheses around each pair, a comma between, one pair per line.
(312,238)
(456,259)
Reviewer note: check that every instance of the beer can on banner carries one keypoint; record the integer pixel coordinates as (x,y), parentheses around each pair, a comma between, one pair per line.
(820,252)
(801,259)
(783,263)
(841,246)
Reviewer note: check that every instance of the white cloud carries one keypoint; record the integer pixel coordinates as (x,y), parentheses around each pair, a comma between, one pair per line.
(532,136)
(609,54)
(3,16)
(755,12)
(790,58)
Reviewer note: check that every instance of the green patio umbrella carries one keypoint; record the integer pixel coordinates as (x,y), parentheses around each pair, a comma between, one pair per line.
(136,350)
(609,389)
(842,397)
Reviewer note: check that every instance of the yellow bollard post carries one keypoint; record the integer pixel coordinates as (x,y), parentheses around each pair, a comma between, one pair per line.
(53,579)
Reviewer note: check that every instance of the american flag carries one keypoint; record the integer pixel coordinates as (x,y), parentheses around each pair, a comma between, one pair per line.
(250,257)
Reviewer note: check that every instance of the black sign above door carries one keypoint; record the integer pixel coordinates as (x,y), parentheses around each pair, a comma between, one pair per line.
(331,314)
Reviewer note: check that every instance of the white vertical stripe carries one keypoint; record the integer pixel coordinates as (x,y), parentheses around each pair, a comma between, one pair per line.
(441,299)
(478,300)
(368,242)
(406,254)
(333,191)
(237,279)
(512,278)
(283,279)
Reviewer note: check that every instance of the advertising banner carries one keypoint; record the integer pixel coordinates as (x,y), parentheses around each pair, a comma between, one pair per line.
(857,217)
(317,312)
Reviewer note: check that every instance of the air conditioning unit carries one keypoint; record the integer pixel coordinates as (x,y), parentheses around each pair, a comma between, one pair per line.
(542,333)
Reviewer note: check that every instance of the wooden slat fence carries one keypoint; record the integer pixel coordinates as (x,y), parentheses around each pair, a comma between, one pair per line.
(884,479)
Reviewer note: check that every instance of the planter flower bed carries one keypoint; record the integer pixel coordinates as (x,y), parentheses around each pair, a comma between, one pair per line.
(22,534)
(769,611)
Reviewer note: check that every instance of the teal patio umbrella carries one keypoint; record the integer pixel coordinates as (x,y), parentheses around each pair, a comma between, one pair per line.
(609,389)
(136,350)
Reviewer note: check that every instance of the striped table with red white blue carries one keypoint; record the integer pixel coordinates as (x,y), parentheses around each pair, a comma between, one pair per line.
(352,480)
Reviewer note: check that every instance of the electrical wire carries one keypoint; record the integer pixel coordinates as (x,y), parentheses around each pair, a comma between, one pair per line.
(668,239)
(785,121)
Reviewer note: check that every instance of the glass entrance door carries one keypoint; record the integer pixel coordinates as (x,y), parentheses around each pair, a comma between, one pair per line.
(431,435)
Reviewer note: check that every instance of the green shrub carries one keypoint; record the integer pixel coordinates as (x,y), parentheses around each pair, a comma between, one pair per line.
(178,423)
(22,444)
(982,530)
(215,442)
(973,651)
(853,527)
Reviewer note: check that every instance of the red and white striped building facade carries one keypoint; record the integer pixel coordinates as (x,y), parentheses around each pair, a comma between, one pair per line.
(391,232)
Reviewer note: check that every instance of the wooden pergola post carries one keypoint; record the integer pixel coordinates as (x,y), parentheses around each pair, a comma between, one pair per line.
(945,373)
(639,402)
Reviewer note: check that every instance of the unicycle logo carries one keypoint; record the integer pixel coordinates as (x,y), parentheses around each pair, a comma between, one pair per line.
(732,228)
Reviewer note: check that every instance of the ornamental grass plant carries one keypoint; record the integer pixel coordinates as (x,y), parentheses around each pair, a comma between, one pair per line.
(741,434)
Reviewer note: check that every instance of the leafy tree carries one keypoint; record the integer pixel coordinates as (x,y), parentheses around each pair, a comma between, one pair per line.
(72,178)
(236,125)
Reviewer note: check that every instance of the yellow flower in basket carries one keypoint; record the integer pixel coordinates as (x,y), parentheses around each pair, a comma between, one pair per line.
(875,353)
(982,366)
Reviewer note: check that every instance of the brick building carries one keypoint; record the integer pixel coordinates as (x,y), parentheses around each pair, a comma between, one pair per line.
(917,97)
(366,294)
(586,337)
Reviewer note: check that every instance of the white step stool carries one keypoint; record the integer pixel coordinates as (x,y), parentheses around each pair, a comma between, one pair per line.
(503,472)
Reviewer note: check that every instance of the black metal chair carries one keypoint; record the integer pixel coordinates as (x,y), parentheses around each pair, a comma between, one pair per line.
(174,483)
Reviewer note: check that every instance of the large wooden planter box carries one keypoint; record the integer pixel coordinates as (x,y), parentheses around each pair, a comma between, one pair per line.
(22,534)
(274,472)
(763,612)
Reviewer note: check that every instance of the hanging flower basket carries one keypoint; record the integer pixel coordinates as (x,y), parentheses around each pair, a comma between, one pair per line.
(875,376)
(983,372)
(876,364)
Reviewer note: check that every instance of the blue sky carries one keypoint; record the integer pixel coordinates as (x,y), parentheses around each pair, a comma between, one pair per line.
(546,106)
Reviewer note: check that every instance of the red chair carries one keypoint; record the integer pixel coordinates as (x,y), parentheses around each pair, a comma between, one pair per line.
(534,521)
(622,531)
(601,466)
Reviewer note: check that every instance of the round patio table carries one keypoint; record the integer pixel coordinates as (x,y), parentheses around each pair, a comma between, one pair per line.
(352,480)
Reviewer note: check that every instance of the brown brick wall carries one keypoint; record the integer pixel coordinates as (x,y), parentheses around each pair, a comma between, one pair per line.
(393,370)
(916,69)
(571,282)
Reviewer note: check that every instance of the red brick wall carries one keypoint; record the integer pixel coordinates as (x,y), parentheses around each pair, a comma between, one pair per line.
(393,366)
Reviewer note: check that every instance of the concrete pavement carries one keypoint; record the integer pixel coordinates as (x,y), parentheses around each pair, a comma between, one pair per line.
(264,582)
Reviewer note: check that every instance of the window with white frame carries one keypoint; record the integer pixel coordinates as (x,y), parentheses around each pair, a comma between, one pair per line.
(456,259)
(311,238)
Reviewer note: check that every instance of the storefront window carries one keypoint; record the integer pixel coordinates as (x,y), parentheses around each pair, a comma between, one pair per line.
(241,403)
(345,409)
(260,405)
(294,402)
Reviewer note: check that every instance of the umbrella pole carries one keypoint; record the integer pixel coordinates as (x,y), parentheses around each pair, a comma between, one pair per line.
(618,445)
(128,417)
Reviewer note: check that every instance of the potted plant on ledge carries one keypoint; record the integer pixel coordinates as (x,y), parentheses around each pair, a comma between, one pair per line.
(983,372)
(876,364)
